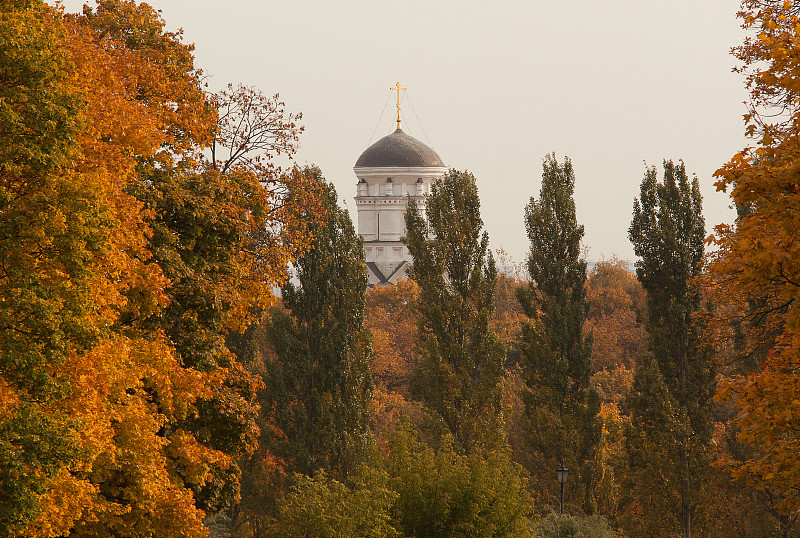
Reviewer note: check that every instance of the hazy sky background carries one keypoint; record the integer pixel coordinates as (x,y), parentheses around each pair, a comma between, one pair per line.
(494,87)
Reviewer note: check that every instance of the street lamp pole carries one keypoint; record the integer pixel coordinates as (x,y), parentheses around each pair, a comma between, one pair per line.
(562,473)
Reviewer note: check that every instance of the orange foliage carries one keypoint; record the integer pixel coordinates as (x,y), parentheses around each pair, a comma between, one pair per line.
(615,297)
(389,411)
(390,315)
(508,316)
(757,266)
(125,479)
(118,392)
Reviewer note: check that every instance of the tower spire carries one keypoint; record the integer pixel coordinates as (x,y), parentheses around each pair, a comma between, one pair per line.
(397,88)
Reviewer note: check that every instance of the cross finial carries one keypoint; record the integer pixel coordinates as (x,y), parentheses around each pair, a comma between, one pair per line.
(397,88)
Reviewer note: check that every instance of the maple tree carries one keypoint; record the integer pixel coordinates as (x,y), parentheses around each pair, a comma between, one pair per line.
(77,248)
(94,106)
(40,317)
(251,130)
(459,362)
(755,267)
(561,404)
(210,238)
(223,236)
(736,507)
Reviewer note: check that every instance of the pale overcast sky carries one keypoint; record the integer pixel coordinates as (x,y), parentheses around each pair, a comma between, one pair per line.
(494,87)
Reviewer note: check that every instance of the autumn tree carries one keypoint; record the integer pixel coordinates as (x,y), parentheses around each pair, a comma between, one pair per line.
(616,305)
(326,508)
(390,315)
(109,424)
(419,491)
(508,315)
(85,446)
(223,235)
(318,380)
(561,404)
(392,319)
(670,403)
(755,268)
(615,299)
(41,318)
(459,360)
(251,130)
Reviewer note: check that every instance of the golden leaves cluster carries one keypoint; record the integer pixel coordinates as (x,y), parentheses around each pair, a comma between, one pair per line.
(130,93)
(755,273)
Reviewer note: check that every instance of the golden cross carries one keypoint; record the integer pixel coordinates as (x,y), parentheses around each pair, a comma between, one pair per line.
(397,88)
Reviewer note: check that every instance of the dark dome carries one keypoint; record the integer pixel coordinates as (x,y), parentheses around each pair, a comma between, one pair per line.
(398,149)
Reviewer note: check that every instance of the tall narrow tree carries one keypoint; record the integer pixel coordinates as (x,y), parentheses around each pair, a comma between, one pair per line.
(670,447)
(561,405)
(319,383)
(460,360)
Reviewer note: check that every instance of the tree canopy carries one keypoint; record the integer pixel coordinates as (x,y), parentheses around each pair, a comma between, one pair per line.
(755,268)
(459,360)
(561,404)
(123,257)
(670,402)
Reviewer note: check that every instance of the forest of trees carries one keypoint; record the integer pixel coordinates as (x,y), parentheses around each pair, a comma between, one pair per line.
(153,383)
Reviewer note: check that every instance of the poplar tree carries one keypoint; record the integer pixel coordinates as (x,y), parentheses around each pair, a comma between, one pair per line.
(668,441)
(459,361)
(561,404)
(318,382)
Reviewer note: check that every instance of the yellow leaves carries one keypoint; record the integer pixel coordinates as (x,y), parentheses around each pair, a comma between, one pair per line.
(388,411)
(118,125)
(84,242)
(9,398)
(159,75)
(66,499)
(194,459)
(124,392)
(769,414)
(391,317)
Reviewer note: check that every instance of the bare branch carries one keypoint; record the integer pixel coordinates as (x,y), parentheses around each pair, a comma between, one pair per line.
(252,129)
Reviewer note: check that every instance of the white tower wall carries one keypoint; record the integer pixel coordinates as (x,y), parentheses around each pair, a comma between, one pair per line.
(381,204)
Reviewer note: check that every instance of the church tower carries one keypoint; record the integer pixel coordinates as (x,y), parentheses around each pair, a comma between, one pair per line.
(389,171)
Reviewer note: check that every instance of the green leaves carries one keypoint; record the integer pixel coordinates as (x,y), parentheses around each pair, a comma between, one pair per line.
(418,492)
(444,493)
(670,403)
(102,194)
(561,406)
(325,508)
(33,447)
(459,359)
(318,383)
(667,232)
(39,111)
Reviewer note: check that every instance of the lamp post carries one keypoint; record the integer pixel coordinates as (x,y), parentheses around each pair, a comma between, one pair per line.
(562,473)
